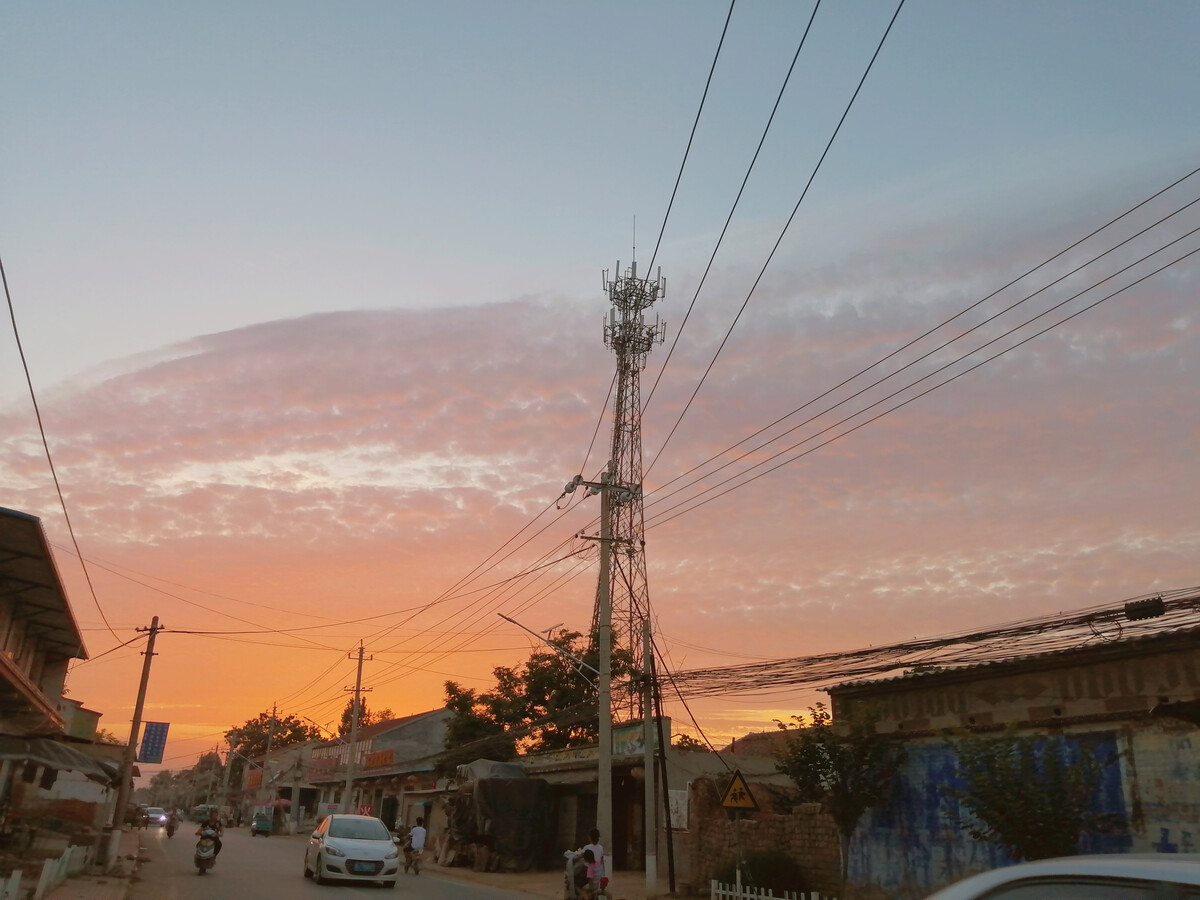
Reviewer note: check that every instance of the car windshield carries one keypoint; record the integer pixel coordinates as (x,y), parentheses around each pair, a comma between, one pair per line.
(156,811)
(359,829)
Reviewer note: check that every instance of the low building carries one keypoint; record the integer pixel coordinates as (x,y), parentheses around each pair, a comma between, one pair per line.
(1134,702)
(278,783)
(394,769)
(681,836)
(51,770)
(38,634)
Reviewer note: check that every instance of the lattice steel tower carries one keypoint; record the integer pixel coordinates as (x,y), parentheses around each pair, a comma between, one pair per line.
(630,337)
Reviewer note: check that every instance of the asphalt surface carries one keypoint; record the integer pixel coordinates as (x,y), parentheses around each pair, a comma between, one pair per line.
(267,868)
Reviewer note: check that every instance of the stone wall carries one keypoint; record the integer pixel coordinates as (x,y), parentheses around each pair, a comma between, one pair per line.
(807,836)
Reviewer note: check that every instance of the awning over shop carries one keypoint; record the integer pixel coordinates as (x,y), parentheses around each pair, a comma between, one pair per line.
(29,580)
(56,755)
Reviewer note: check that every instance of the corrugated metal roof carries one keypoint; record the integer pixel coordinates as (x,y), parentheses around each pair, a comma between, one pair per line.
(29,580)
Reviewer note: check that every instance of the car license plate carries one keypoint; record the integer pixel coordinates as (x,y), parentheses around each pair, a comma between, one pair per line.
(363,868)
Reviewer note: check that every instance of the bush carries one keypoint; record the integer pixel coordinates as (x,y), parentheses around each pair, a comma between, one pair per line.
(774,870)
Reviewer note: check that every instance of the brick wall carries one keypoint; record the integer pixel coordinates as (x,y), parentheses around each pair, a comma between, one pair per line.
(806,835)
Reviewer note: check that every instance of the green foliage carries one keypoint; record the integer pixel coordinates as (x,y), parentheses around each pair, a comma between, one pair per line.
(688,744)
(849,772)
(104,736)
(365,716)
(544,704)
(1027,793)
(250,739)
(473,732)
(771,870)
(252,736)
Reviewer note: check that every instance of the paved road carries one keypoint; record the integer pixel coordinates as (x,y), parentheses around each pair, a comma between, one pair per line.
(270,868)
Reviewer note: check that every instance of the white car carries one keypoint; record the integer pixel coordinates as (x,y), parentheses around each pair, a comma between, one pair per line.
(354,848)
(1117,876)
(156,815)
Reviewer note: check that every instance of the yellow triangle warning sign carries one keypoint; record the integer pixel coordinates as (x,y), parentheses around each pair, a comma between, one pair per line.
(737,795)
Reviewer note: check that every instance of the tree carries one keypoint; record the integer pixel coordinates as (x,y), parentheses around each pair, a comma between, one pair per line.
(1027,793)
(365,716)
(545,704)
(473,732)
(687,743)
(848,771)
(104,736)
(162,788)
(250,739)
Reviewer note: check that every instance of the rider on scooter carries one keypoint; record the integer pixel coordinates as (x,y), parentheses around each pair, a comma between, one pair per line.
(213,823)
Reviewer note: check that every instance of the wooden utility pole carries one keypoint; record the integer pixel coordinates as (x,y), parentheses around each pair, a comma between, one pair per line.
(126,786)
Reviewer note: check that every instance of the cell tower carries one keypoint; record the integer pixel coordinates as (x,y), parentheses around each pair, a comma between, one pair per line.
(630,337)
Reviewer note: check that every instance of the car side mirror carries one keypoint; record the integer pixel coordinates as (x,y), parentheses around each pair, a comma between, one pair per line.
(316,834)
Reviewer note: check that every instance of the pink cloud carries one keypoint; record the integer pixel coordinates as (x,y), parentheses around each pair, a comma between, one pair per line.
(360,464)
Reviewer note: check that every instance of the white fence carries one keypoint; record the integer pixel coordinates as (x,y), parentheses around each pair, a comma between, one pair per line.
(740,891)
(10,888)
(54,872)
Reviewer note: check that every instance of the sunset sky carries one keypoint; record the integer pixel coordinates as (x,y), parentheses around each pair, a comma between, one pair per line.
(310,296)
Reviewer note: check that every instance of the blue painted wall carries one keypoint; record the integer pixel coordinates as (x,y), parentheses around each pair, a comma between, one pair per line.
(916,844)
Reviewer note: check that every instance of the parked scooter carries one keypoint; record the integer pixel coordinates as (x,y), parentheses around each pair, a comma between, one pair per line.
(206,849)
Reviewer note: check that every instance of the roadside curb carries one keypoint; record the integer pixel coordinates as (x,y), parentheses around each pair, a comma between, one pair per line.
(115,886)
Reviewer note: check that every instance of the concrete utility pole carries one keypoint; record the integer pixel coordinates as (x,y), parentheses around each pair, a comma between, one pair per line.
(126,786)
(648,764)
(350,760)
(226,771)
(605,489)
(604,681)
(262,784)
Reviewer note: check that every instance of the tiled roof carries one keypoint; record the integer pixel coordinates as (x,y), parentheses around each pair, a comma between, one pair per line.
(1052,657)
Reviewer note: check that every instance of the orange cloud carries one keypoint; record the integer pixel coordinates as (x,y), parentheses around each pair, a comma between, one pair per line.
(346,473)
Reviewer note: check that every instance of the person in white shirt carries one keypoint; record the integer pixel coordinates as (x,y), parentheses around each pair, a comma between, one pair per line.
(601,867)
(412,850)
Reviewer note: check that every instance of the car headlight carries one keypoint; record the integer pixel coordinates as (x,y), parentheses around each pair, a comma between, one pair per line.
(392,854)
(334,851)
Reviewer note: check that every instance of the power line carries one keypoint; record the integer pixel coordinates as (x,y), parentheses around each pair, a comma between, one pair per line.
(115,571)
(46,446)
(691,137)
(729,218)
(779,240)
(931,331)
(662,517)
(692,501)
(1042,634)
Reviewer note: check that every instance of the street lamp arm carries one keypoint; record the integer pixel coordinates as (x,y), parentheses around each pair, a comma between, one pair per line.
(580,665)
